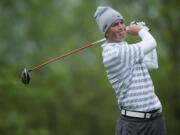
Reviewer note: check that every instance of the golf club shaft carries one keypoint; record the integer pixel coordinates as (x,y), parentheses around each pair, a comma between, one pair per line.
(74,51)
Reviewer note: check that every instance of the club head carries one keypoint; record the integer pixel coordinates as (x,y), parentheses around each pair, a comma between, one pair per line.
(25,77)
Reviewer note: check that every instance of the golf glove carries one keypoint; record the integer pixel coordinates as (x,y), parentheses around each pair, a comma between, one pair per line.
(142,24)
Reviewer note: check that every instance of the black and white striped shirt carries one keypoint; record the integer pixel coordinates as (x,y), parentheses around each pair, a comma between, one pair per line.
(128,74)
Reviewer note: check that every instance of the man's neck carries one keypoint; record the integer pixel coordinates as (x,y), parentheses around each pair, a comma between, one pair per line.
(113,41)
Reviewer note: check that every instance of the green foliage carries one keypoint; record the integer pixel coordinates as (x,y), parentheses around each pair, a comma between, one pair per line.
(74,96)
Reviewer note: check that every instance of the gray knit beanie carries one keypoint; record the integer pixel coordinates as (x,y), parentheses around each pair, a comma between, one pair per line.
(105,16)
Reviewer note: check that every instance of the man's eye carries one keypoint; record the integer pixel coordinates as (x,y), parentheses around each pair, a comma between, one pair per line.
(115,24)
(122,22)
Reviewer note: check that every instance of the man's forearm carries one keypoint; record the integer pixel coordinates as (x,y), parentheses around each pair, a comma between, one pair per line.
(148,43)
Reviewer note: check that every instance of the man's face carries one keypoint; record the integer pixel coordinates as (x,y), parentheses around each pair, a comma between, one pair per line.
(116,32)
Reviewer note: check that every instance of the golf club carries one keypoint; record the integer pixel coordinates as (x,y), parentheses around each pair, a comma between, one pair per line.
(25,75)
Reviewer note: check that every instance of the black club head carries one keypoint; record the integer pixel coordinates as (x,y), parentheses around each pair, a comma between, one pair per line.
(25,77)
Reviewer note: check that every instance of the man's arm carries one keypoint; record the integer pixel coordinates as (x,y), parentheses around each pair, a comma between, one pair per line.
(147,46)
(148,43)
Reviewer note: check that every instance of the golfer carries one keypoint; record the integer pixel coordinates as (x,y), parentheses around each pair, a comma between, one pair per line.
(127,68)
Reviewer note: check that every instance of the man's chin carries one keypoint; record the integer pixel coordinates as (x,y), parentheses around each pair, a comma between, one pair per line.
(120,39)
(123,35)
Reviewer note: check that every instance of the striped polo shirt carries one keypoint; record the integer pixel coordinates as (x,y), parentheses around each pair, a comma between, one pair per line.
(129,77)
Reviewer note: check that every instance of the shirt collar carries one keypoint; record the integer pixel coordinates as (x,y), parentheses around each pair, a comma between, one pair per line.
(113,44)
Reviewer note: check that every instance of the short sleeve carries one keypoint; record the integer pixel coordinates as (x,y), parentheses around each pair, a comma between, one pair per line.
(130,54)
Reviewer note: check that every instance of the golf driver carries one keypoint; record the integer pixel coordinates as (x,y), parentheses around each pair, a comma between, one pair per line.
(25,75)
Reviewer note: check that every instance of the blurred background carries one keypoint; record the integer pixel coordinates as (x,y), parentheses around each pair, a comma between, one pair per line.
(74,96)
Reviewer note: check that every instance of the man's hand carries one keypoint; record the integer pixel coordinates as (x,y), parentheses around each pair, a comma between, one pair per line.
(133,29)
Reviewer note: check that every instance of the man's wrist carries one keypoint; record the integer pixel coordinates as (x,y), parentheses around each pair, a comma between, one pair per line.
(142,32)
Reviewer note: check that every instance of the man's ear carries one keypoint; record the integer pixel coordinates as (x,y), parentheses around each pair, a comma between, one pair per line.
(106,35)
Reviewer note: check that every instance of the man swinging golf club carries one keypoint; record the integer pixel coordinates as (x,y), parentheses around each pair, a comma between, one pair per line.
(127,70)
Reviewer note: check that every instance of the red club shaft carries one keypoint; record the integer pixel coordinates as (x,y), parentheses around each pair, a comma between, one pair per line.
(74,51)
